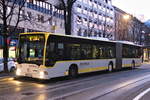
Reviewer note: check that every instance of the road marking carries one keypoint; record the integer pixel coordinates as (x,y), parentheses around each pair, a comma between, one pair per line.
(138,97)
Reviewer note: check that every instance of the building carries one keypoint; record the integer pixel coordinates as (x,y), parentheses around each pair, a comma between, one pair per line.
(146,32)
(34,16)
(39,16)
(93,18)
(121,24)
(128,27)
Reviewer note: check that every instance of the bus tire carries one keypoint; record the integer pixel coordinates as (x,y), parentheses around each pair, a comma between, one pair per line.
(73,71)
(12,70)
(110,67)
(133,64)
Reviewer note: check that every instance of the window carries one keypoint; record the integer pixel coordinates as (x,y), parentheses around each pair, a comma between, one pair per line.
(95,54)
(60,51)
(74,51)
(41,18)
(110,52)
(29,15)
(86,51)
(79,32)
(50,53)
(79,8)
(50,21)
(54,52)
(79,20)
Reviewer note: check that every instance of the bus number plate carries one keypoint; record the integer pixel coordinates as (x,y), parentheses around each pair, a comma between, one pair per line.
(29,75)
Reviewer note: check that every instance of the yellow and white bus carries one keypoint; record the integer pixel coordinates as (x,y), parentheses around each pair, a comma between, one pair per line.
(45,55)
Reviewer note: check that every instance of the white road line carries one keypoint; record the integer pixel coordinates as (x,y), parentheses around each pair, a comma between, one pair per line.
(138,97)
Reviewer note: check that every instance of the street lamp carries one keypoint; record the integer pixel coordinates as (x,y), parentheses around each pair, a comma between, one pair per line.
(126,17)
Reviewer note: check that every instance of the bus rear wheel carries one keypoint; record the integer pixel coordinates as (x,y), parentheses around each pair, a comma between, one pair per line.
(110,67)
(73,72)
(133,65)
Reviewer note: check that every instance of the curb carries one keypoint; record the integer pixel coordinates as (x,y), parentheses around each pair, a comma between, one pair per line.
(1,77)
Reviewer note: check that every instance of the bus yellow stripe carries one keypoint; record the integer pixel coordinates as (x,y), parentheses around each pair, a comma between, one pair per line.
(92,69)
(126,65)
(129,65)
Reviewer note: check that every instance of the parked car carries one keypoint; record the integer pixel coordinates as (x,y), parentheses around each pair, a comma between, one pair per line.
(11,65)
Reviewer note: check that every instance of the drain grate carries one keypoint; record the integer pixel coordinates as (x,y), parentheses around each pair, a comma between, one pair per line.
(28,93)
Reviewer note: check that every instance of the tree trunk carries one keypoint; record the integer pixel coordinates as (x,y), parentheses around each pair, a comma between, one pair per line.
(5,53)
(5,35)
(65,19)
(69,27)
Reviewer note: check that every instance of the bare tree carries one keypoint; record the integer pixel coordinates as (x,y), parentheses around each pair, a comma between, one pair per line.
(10,10)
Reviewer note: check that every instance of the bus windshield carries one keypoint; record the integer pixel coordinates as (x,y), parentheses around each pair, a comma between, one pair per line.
(31,49)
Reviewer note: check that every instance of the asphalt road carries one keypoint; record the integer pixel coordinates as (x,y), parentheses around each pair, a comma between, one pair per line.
(122,85)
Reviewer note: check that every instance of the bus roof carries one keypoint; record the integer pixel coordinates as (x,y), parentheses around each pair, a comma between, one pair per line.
(129,43)
(35,33)
(81,37)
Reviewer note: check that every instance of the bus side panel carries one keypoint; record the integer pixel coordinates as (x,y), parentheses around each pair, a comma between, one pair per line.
(138,62)
(61,68)
(118,56)
(127,62)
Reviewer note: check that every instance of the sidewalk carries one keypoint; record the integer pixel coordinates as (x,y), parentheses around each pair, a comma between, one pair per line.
(2,74)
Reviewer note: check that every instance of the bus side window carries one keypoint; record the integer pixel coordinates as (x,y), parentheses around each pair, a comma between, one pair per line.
(110,52)
(73,51)
(101,52)
(95,52)
(86,51)
(51,50)
(60,51)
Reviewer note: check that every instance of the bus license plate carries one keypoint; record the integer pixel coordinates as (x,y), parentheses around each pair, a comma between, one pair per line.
(29,75)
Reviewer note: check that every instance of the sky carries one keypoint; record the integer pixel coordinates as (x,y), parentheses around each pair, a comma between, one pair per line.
(138,8)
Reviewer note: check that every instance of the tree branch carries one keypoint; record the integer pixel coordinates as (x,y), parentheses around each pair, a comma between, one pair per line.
(11,9)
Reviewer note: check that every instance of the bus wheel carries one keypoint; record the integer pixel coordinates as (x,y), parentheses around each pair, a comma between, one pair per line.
(110,67)
(73,71)
(133,65)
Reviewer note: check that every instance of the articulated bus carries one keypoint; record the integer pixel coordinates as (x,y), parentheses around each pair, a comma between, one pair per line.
(45,55)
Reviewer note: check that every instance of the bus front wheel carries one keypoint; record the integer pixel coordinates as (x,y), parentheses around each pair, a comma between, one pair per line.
(73,71)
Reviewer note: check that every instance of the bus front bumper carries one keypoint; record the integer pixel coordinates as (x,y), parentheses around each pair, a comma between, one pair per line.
(38,75)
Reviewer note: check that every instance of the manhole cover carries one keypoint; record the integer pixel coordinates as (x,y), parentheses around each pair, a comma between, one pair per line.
(28,93)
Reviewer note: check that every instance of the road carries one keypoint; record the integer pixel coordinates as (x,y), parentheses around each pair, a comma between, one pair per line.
(120,85)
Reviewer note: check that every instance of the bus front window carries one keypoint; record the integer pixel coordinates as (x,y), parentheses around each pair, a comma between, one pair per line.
(31,49)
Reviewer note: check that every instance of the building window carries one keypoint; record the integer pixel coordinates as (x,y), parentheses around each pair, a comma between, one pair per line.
(79,20)
(29,15)
(79,32)
(40,18)
(50,21)
(85,33)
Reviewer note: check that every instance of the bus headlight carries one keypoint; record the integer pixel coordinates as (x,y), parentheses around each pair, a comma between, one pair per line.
(43,73)
(18,72)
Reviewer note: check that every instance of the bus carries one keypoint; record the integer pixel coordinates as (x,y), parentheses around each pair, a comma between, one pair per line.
(46,55)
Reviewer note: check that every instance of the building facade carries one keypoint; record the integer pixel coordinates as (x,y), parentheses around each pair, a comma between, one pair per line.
(128,27)
(93,18)
(38,16)
(34,16)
